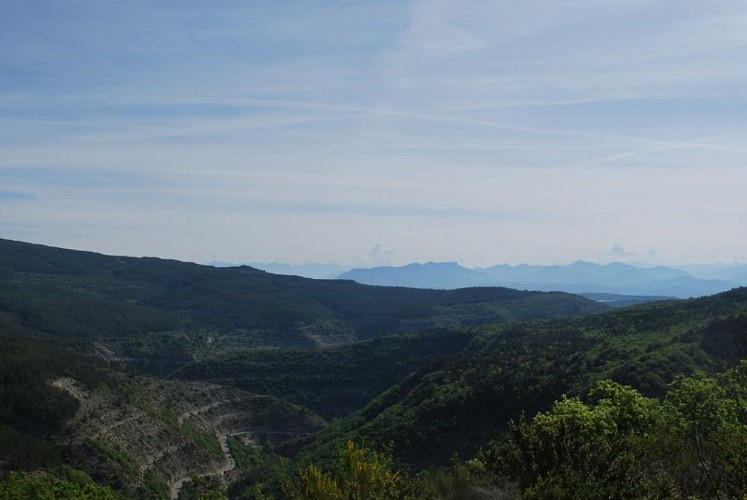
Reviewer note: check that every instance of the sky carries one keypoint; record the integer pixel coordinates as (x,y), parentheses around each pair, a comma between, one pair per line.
(377,133)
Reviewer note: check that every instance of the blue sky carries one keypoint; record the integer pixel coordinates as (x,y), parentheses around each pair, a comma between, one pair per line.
(369,133)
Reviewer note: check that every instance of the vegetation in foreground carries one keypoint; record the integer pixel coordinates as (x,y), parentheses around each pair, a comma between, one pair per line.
(63,483)
(613,443)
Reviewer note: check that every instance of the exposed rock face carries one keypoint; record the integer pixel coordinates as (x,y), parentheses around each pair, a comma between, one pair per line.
(171,432)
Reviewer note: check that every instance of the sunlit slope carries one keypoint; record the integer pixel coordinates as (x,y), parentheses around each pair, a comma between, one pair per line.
(458,404)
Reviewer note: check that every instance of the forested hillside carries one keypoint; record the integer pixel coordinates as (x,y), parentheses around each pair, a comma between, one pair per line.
(456,404)
(162,314)
(151,378)
(611,442)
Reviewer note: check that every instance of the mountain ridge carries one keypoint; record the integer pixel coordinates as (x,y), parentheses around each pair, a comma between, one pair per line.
(179,310)
(578,277)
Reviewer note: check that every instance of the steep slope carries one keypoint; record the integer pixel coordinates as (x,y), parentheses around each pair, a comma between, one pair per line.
(137,434)
(461,403)
(330,382)
(164,433)
(162,313)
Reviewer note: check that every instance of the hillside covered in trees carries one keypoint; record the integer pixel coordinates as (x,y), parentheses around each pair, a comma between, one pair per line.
(161,313)
(130,377)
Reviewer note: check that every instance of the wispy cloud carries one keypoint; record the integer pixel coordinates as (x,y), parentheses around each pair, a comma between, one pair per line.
(482,131)
(15,196)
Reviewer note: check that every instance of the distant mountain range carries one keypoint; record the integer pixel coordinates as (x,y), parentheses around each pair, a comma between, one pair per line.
(580,277)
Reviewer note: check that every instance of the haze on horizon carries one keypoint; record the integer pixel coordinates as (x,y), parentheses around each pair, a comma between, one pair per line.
(374,133)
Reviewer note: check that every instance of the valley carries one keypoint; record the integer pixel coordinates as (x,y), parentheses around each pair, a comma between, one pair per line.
(162,379)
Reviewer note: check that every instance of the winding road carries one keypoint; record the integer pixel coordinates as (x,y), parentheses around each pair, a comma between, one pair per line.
(230,464)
